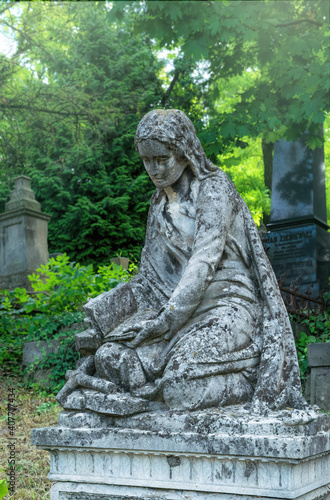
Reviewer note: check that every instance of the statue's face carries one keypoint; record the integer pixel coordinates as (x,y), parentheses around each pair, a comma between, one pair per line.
(163,167)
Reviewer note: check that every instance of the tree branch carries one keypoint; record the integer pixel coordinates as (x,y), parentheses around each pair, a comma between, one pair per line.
(6,105)
(27,37)
(170,88)
(7,6)
(291,23)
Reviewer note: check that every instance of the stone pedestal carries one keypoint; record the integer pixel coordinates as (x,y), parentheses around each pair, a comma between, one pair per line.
(319,380)
(23,236)
(298,240)
(225,455)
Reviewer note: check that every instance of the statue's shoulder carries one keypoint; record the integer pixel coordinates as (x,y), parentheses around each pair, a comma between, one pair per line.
(217,184)
(157,197)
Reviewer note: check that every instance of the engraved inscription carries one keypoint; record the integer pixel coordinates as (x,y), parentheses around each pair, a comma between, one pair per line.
(293,252)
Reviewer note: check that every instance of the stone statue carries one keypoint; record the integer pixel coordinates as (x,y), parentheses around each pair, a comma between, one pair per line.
(202,325)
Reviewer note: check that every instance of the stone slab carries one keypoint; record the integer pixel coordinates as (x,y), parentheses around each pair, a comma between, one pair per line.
(320,387)
(115,404)
(23,236)
(35,351)
(281,436)
(292,252)
(229,421)
(136,464)
(319,354)
(74,491)
(298,187)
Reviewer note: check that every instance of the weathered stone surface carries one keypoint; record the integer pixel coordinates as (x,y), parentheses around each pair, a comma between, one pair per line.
(120,261)
(318,354)
(86,343)
(23,241)
(35,351)
(301,252)
(220,463)
(114,404)
(319,379)
(232,421)
(298,187)
(320,387)
(203,324)
(298,241)
(189,388)
(292,252)
(70,491)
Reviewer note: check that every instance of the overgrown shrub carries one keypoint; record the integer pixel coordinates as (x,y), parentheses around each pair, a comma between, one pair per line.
(319,327)
(53,311)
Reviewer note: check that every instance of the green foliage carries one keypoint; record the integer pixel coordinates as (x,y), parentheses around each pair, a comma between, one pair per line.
(46,407)
(69,119)
(244,166)
(3,488)
(84,73)
(327,162)
(53,311)
(284,43)
(319,327)
(265,60)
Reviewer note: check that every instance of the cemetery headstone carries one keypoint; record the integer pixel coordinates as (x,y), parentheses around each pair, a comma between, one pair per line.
(298,240)
(23,236)
(189,383)
(319,363)
(120,261)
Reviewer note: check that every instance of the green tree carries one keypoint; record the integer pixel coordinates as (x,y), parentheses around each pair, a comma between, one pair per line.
(267,62)
(70,113)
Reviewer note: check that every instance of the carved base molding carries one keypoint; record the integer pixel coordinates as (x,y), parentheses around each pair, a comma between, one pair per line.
(128,464)
(76,491)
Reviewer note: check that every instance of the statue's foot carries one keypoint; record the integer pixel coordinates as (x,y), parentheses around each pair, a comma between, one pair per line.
(98,384)
(79,379)
(118,404)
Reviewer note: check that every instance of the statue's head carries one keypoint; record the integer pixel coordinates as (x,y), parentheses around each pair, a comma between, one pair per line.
(173,129)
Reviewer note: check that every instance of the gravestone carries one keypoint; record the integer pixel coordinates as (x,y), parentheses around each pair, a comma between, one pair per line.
(189,384)
(298,239)
(23,241)
(319,379)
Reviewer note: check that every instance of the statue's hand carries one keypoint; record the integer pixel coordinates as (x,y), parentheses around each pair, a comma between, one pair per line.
(147,330)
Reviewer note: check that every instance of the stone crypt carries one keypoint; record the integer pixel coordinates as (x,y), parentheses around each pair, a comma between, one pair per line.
(188,386)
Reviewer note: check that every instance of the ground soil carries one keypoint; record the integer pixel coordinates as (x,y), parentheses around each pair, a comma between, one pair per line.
(34,409)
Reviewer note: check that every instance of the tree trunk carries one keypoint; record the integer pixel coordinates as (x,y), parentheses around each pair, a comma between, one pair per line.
(267,151)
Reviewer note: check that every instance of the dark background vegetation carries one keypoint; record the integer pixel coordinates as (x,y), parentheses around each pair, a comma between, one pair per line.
(81,75)
(75,79)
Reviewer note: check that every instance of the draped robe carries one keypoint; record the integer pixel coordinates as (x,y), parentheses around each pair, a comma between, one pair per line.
(205,268)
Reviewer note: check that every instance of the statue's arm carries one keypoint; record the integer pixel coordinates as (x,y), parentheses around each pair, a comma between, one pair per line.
(213,218)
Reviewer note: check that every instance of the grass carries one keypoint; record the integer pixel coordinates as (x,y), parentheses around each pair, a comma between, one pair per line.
(35,409)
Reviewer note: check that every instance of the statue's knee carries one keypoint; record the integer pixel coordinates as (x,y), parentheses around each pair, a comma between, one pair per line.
(109,354)
(213,391)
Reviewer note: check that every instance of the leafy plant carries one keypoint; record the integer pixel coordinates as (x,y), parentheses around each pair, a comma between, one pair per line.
(319,327)
(3,488)
(76,93)
(46,406)
(53,311)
